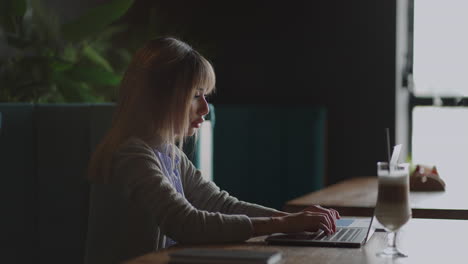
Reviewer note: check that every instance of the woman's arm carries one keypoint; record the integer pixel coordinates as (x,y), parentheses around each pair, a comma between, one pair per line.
(136,168)
(206,195)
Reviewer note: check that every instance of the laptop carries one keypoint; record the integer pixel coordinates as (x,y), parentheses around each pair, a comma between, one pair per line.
(350,232)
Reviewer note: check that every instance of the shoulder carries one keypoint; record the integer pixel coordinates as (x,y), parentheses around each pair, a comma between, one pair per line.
(137,149)
(134,145)
(133,152)
(135,161)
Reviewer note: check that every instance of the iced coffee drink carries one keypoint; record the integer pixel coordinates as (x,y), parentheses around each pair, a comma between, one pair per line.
(392,208)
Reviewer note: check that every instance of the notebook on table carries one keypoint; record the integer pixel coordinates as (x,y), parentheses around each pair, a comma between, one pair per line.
(350,232)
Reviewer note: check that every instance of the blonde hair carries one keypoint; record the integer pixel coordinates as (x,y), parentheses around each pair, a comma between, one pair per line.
(154,99)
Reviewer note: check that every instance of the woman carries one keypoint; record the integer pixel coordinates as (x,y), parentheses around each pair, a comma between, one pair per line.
(158,197)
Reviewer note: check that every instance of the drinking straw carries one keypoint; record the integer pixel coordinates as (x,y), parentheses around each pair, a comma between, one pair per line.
(387,130)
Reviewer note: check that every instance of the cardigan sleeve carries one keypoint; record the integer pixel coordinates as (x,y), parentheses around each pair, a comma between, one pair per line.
(137,169)
(206,195)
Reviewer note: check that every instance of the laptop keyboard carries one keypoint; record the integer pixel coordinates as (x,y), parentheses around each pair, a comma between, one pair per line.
(341,235)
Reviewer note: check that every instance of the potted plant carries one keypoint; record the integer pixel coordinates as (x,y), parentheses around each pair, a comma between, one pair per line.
(53,62)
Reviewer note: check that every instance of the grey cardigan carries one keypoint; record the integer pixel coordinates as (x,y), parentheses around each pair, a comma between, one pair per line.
(131,215)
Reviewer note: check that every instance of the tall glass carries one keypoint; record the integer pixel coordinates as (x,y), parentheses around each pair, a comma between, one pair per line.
(392,209)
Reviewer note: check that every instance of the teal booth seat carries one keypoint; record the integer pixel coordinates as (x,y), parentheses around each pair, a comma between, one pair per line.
(44,152)
(17,190)
(269,154)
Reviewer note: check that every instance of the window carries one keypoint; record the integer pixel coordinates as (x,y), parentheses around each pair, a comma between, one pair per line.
(206,150)
(436,75)
(440,49)
(440,137)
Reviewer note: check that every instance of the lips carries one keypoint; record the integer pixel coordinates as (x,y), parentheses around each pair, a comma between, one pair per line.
(197,123)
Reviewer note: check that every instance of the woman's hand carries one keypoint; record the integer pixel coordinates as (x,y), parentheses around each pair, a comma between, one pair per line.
(307,221)
(310,219)
(329,212)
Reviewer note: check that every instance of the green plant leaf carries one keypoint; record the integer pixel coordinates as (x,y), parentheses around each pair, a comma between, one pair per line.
(60,65)
(11,14)
(47,68)
(92,55)
(95,20)
(70,53)
(93,75)
(72,91)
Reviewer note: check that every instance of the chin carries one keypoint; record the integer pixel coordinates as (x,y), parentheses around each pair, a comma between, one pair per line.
(191,132)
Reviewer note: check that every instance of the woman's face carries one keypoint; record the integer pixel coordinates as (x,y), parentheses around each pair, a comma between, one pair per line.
(198,109)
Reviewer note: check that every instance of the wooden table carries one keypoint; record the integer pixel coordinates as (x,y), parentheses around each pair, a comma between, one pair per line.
(358,196)
(424,240)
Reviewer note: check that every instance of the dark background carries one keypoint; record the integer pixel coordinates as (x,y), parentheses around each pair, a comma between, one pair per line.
(337,54)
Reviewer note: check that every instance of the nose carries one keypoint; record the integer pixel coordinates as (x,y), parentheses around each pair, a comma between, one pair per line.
(203,108)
